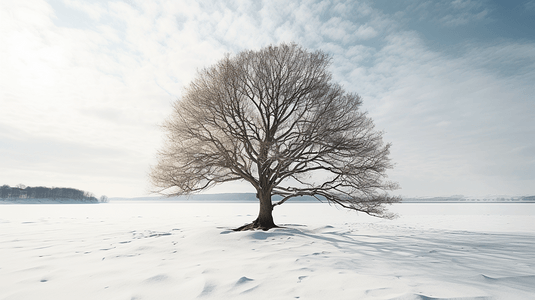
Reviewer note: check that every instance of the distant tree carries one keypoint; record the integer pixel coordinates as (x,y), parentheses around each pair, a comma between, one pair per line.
(29,192)
(20,191)
(55,193)
(41,192)
(5,191)
(104,199)
(274,118)
(15,193)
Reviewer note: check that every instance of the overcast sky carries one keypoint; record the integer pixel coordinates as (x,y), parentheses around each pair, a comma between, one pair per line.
(84,85)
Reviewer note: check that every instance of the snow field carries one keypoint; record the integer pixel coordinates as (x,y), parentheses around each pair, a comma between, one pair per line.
(156,250)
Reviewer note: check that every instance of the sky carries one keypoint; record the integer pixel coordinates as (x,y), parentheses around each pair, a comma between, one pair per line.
(85,85)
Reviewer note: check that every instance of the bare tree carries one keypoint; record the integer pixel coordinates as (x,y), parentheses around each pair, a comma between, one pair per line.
(273,118)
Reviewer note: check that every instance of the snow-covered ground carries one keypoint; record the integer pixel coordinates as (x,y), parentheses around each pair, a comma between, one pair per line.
(186,251)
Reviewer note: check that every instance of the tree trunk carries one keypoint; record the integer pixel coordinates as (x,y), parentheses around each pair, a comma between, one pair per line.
(264,220)
(265,215)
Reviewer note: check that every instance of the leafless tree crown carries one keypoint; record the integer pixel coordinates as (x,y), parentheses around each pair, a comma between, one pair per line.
(274,118)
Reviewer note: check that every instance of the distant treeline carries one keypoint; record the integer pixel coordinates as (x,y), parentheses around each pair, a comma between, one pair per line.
(460,199)
(41,192)
(251,197)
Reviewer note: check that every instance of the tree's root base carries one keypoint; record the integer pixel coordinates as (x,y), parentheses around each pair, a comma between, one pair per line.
(255,226)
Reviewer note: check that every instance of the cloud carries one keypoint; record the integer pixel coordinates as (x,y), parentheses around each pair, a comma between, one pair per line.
(101,86)
(40,160)
(453,118)
(94,10)
(447,13)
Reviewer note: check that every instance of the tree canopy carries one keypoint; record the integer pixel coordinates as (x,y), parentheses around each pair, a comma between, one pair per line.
(274,118)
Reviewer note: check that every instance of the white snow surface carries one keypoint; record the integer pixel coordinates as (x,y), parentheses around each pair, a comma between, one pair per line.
(158,250)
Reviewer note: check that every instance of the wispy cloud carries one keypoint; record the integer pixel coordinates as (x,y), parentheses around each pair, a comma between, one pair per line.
(529,5)
(448,13)
(454,119)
